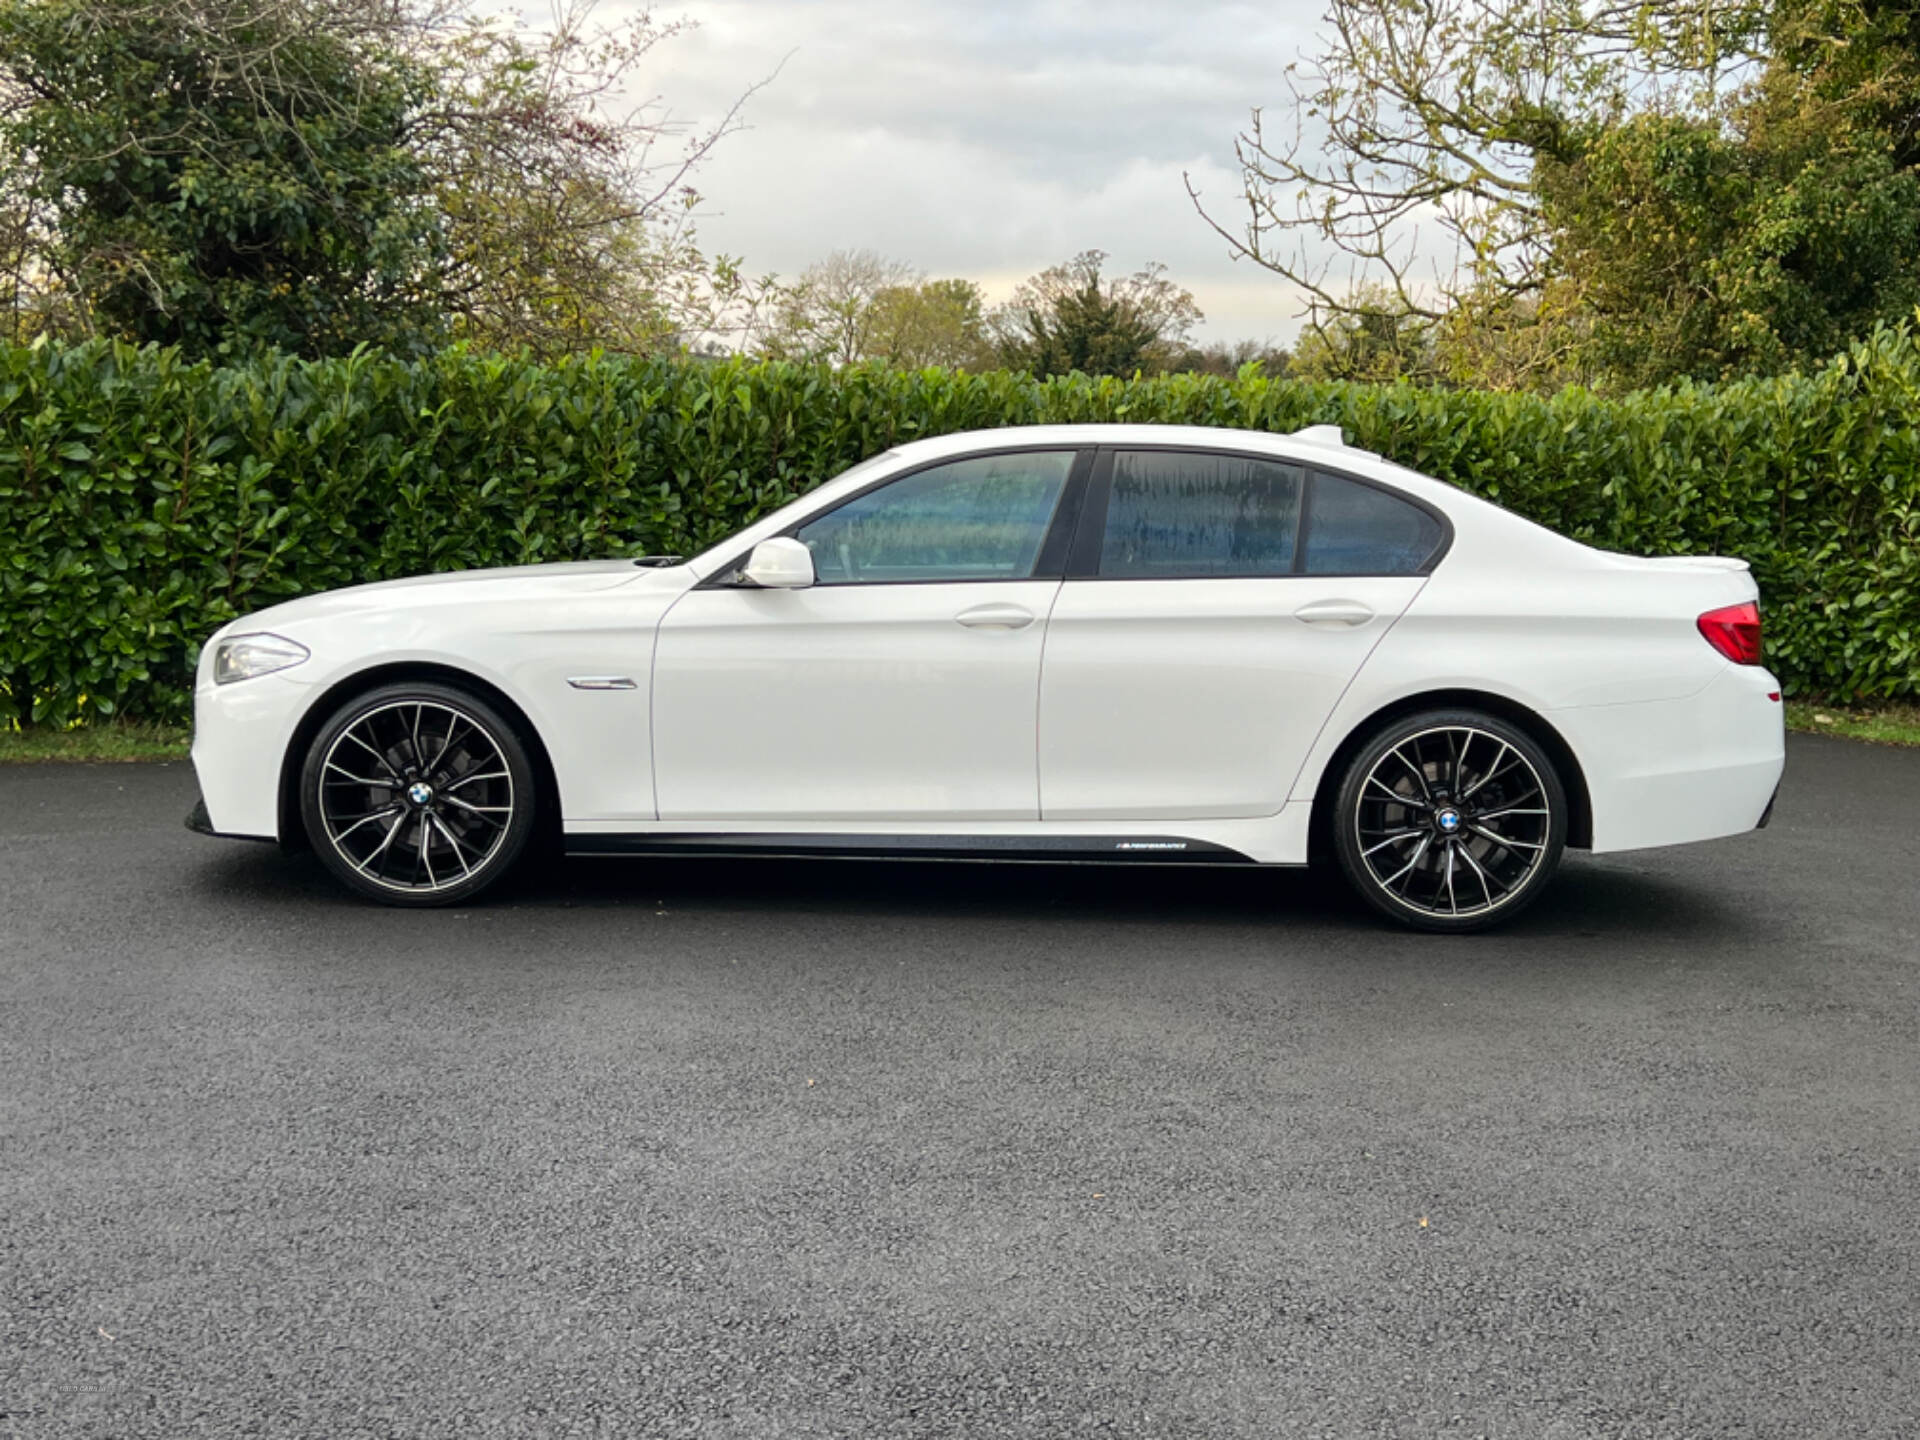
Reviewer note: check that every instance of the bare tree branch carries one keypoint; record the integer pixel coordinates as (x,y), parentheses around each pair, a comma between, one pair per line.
(1407,172)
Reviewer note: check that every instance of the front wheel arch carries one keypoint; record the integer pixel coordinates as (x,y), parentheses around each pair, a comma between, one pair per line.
(1572,779)
(293,833)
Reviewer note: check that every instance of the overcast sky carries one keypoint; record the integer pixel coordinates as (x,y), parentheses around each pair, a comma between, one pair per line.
(987,138)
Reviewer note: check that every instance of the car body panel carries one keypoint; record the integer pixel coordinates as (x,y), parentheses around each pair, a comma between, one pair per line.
(1197,699)
(890,702)
(1676,771)
(525,632)
(1602,643)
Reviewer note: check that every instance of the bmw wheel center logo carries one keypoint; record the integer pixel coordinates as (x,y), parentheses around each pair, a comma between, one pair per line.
(1449,820)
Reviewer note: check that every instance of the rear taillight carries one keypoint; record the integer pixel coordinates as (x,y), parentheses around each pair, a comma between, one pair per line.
(1734,631)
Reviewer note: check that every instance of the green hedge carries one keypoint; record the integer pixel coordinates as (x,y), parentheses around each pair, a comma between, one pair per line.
(144,501)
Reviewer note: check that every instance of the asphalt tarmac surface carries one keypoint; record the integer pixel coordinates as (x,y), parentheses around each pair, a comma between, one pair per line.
(798,1149)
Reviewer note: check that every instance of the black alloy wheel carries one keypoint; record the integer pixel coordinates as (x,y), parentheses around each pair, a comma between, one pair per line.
(1450,820)
(418,794)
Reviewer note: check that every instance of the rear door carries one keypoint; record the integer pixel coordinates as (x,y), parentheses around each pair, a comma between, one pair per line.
(1215,608)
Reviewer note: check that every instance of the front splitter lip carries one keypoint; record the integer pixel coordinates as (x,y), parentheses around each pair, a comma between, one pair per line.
(201,823)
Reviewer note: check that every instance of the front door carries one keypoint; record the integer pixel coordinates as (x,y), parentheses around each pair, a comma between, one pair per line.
(903,685)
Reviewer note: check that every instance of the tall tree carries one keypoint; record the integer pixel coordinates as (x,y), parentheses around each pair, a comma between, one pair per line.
(1375,339)
(226,174)
(828,313)
(1070,317)
(932,322)
(567,219)
(1230,357)
(308,175)
(1686,187)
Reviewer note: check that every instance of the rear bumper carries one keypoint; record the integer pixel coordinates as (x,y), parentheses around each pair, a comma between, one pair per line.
(1671,772)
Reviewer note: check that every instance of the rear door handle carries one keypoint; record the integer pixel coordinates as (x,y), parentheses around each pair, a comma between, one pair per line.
(995,617)
(1334,612)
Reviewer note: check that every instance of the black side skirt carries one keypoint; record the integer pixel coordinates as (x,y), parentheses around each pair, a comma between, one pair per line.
(1068,849)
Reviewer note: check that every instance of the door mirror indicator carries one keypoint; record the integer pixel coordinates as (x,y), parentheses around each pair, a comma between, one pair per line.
(779,564)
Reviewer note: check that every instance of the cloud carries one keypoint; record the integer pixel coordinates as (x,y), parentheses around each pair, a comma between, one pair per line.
(985,139)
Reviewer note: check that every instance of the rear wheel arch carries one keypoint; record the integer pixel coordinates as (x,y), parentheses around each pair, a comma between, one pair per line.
(293,835)
(1566,765)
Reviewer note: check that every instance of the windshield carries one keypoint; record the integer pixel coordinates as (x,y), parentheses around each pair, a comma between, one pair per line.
(872,462)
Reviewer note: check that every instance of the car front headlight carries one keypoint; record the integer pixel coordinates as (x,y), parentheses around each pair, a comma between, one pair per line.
(241,657)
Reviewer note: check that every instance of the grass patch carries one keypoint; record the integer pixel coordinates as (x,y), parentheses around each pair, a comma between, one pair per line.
(116,743)
(1888,725)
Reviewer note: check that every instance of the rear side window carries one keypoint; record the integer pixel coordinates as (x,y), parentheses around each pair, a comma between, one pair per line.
(1172,516)
(1358,530)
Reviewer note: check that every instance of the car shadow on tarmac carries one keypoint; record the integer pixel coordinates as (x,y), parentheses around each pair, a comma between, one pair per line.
(1589,899)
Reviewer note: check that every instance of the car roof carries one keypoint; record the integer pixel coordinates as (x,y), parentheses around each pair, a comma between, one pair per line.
(1315,443)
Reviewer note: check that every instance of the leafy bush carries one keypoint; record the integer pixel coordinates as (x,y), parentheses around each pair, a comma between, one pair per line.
(145,501)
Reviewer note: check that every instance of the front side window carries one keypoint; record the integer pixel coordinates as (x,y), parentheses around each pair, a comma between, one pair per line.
(1177,516)
(982,518)
(1358,530)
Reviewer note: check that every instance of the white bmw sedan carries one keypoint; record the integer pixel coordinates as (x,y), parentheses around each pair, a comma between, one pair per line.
(1068,643)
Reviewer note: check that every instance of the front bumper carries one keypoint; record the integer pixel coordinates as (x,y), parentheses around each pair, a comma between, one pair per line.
(201,823)
(240,737)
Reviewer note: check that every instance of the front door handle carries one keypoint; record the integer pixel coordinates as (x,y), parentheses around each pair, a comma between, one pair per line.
(995,617)
(1334,612)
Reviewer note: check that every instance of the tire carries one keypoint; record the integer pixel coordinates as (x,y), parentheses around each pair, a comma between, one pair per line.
(1450,821)
(418,794)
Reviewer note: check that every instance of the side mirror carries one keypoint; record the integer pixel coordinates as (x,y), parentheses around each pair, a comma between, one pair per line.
(779,564)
